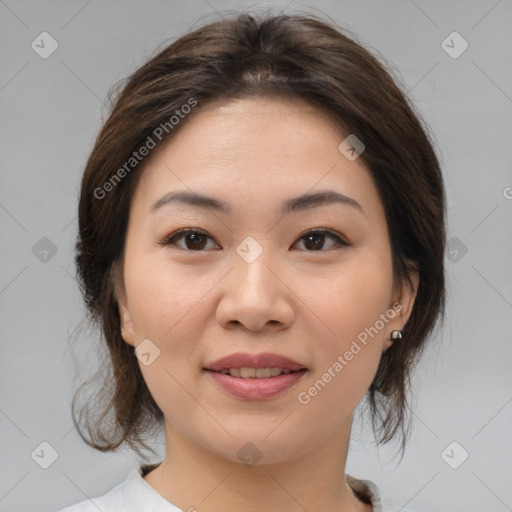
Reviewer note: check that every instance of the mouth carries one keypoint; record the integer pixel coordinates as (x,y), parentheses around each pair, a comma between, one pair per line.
(256,376)
(256,383)
(256,373)
(263,365)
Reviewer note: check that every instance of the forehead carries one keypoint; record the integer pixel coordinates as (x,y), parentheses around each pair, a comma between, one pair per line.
(255,149)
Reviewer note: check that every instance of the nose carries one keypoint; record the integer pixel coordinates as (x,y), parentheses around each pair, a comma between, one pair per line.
(255,295)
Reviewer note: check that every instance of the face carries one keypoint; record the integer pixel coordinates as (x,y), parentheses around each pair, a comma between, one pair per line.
(312,282)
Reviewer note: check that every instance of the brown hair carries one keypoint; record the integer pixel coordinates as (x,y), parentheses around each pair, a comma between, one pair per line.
(298,56)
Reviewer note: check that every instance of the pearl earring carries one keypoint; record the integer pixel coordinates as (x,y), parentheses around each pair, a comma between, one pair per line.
(396,335)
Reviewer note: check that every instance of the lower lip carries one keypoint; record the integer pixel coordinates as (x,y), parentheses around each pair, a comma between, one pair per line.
(256,389)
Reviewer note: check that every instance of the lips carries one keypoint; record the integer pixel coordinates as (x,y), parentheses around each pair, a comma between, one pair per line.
(263,360)
(256,389)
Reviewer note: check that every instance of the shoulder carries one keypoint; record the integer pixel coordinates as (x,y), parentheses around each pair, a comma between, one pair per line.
(388,505)
(133,494)
(112,501)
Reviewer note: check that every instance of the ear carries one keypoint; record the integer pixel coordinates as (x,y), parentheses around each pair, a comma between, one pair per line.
(402,303)
(127,331)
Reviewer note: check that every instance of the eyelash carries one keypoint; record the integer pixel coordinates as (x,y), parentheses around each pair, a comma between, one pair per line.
(170,240)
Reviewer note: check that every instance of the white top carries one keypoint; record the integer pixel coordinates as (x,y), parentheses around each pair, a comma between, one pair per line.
(134,494)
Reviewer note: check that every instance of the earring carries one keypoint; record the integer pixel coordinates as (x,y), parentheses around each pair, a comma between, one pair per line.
(396,335)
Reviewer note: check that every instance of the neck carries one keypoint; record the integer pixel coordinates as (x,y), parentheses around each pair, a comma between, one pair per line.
(194,478)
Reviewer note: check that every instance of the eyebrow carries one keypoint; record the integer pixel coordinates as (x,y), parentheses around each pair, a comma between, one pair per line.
(295,204)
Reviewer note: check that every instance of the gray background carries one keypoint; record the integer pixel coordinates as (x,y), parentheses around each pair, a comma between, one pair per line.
(51,110)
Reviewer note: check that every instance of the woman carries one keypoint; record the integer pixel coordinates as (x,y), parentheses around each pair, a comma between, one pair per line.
(261,238)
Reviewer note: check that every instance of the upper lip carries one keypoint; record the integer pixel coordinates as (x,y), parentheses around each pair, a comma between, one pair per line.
(263,360)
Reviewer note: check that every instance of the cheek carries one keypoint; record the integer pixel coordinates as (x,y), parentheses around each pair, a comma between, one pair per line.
(162,295)
(350,304)
(354,296)
(163,302)
(167,305)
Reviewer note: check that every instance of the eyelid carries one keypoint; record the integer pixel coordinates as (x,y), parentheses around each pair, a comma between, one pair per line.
(168,239)
(340,239)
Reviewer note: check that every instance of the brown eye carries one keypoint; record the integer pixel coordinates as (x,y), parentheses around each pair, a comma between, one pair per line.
(193,239)
(315,240)
(196,240)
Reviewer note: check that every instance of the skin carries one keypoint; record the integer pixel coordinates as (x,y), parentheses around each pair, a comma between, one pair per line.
(306,303)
